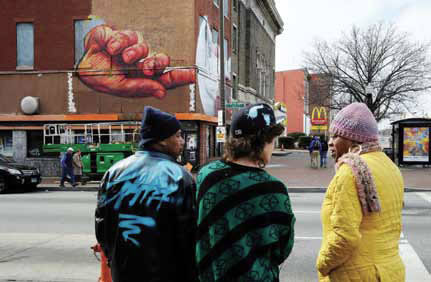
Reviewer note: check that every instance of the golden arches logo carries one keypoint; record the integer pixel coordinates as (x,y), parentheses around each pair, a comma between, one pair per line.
(319,116)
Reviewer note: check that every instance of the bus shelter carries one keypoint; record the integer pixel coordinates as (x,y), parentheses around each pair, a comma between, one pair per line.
(410,141)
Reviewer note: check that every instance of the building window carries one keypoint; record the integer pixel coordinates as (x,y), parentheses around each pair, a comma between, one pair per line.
(226,8)
(235,87)
(216,3)
(6,143)
(25,45)
(234,39)
(79,39)
(226,61)
(214,38)
(34,143)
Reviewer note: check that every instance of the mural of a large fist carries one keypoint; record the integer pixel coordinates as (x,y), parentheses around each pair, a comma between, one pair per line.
(120,63)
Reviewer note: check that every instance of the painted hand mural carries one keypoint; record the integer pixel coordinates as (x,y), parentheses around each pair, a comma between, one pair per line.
(120,63)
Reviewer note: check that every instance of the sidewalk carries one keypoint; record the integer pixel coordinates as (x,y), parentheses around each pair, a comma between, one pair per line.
(293,168)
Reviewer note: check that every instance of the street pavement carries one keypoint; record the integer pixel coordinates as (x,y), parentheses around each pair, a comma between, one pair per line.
(46,236)
(415,242)
(293,168)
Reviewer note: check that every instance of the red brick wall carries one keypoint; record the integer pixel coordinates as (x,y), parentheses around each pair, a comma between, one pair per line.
(53,31)
(289,89)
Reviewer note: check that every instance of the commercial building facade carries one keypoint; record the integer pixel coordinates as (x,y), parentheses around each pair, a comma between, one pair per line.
(87,61)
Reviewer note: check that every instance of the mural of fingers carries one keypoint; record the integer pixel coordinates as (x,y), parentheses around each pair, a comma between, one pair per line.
(120,40)
(135,52)
(97,38)
(154,65)
(177,78)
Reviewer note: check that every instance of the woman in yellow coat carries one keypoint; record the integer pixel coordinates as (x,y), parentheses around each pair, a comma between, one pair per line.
(361,212)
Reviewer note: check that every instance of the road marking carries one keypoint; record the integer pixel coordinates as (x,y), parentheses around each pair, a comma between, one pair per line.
(415,269)
(425,196)
(276,165)
(302,238)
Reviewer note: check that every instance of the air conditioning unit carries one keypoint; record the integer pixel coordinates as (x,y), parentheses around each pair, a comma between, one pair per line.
(30,105)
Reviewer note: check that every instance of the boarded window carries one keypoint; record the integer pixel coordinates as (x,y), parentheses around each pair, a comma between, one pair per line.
(79,39)
(25,45)
(234,39)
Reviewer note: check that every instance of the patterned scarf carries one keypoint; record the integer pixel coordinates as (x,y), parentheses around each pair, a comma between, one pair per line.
(364,181)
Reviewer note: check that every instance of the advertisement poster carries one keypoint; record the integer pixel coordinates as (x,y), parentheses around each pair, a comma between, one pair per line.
(416,144)
(221,134)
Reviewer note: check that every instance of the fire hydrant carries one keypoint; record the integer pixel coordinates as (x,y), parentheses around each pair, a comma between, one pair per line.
(105,271)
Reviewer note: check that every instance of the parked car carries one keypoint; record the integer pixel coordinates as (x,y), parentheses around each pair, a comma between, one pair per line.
(14,175)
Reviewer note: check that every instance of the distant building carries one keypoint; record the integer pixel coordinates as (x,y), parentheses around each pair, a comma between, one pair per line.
(292,89)
(255,26)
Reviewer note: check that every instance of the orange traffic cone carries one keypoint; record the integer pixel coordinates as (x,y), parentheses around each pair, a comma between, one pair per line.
(105,271)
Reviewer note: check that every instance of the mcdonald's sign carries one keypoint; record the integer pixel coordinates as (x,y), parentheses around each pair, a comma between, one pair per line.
(319,116)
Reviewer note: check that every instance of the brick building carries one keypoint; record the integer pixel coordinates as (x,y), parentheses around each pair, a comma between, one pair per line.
(255,27)
(307,98)
(292,89)
(82,61)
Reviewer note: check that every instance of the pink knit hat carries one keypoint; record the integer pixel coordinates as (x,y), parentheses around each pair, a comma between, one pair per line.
(355,122)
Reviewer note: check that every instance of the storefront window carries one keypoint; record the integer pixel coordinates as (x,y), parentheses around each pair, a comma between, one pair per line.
(34,143)
(6,144)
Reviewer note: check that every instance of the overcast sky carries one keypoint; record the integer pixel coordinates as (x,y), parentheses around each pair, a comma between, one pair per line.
(327,19)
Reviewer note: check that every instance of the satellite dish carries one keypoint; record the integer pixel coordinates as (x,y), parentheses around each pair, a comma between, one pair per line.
(30,105)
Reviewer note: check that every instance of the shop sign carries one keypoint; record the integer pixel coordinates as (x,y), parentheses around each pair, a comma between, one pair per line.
(319,116)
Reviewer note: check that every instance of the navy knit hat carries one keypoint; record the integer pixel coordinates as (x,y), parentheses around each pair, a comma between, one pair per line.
(250,120)
(157,125)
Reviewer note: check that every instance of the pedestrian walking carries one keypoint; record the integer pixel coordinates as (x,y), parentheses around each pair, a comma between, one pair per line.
(323,152)
(77,166)
(67,168)
(245,220)
(314,149)
(145,215)
(361,213)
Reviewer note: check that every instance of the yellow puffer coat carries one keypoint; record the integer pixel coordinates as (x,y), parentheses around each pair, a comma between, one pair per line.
(356,247)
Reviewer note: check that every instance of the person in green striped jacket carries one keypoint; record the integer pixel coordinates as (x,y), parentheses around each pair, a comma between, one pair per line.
(245,221)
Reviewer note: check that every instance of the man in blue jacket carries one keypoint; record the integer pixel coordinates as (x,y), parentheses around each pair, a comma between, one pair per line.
(67,168)
(145,215)
(314,150)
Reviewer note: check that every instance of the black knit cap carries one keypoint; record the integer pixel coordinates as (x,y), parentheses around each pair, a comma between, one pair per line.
(157,125)
(252,119)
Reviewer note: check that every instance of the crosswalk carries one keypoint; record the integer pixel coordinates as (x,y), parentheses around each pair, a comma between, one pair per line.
(415,268)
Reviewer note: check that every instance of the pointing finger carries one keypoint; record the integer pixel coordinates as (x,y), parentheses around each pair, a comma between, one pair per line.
(178,77)
(154,65)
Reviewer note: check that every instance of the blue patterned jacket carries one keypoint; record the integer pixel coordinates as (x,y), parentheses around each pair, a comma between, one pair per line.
(145,219)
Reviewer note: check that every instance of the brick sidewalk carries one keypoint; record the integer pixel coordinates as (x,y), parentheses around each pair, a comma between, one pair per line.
(294,169)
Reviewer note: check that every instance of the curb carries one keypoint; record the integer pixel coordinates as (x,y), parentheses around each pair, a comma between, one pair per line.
(94,188)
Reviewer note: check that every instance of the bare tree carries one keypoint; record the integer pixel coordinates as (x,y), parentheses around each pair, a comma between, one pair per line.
(378,66)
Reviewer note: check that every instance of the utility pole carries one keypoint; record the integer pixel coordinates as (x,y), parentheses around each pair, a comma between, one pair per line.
(221,39)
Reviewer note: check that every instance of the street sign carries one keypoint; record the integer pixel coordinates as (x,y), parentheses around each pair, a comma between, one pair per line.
(221,134)
(235,105)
